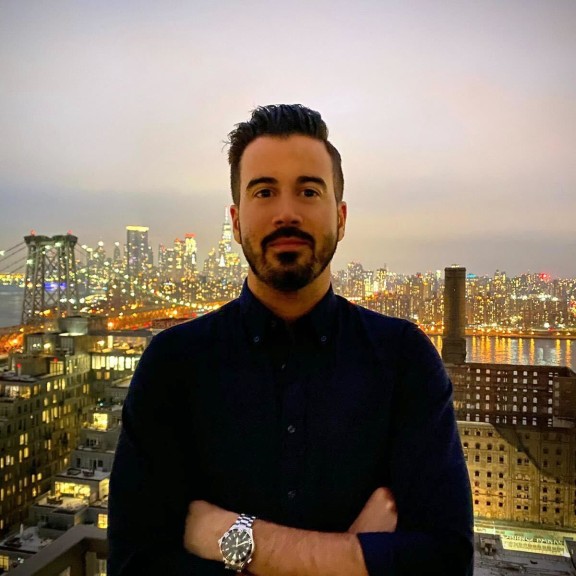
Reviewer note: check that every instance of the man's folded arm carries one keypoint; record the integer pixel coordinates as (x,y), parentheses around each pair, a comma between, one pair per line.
(284,551)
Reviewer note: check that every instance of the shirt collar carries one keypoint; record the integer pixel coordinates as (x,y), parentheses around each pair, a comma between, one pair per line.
(258,319)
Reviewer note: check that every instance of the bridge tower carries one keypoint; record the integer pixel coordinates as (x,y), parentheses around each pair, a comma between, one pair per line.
(50,289)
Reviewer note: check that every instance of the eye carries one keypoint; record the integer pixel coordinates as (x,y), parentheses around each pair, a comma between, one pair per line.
(263,193)
(310,192)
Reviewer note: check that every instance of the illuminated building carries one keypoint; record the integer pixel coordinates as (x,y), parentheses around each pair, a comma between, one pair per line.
(46,399)
(178,258)
(225,244)
(117,258)
(380,280)
(115,355)
(137,259)
(190,253)
(518,429)
(95,274)
(355,281)
(79,494)
(42,401)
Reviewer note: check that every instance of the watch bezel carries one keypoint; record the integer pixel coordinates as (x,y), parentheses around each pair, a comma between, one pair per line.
(229,563)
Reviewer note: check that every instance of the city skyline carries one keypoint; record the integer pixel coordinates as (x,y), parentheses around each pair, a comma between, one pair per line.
(456,123)
(204,249)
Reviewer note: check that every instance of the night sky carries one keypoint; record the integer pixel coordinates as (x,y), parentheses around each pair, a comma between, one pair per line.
(456,120)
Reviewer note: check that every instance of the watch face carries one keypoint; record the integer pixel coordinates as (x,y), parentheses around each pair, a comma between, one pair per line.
(236,546)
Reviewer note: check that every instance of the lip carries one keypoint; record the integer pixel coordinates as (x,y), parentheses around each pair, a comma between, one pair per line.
(288,243)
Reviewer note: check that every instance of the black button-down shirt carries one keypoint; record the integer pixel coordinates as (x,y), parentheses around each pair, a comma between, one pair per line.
(296,424)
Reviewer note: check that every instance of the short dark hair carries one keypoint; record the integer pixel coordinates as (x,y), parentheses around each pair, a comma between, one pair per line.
(280,120)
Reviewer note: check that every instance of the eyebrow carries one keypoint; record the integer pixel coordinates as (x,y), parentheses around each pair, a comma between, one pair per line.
(314,179)
(262,180)
(299,180)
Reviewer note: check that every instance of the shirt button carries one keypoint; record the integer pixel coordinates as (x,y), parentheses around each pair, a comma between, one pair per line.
(292,494)
(291,429)
(256,339)
(323,339)
(283,367)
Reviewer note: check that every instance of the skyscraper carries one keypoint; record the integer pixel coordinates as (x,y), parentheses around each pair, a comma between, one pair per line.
(190,253)
(137,256)
(225,244)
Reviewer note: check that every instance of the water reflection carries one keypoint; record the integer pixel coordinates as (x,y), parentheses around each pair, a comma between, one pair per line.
(498,350)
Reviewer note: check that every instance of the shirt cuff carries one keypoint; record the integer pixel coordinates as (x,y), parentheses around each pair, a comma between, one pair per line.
(378,551)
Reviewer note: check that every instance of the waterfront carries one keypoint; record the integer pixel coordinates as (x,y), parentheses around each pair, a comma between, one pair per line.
(537,351)
(492,349)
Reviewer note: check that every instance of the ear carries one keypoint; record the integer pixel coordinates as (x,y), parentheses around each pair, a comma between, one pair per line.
(342,215)
(235,217)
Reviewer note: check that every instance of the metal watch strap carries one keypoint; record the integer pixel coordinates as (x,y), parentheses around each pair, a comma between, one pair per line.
(244,521)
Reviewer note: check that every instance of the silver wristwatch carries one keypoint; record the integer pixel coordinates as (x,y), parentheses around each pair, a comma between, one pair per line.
(237,544)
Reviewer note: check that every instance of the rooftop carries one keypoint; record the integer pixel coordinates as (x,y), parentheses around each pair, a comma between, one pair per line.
(27,540)
(82,474)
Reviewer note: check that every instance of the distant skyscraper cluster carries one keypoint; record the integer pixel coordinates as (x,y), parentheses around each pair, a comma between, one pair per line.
(528,301)
(132,277)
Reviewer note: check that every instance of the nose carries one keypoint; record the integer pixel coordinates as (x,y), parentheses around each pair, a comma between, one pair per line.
(287,212)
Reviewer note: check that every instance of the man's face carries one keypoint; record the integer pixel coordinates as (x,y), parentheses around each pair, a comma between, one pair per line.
(288,220)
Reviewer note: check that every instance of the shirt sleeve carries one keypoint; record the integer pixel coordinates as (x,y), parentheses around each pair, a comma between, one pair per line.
(428,474)
(151,483)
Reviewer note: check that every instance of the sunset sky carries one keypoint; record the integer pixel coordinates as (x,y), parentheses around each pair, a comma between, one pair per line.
(456,120)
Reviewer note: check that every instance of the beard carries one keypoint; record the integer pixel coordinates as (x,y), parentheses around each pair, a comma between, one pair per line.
(290,271)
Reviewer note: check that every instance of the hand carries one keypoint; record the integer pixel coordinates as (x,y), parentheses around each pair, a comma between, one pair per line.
(378,515)
(205,525)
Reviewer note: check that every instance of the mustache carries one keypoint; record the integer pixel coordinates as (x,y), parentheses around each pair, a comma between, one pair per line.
(287,232)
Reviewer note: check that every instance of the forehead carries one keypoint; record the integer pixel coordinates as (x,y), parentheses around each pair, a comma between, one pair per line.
(285,157)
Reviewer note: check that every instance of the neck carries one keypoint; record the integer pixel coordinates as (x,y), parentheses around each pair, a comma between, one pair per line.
(290,305)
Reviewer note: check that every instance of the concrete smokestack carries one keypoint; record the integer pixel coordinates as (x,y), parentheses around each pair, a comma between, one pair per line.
(453,340)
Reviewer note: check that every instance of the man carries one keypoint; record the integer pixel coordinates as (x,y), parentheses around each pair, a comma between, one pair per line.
(290,432)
